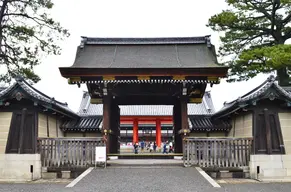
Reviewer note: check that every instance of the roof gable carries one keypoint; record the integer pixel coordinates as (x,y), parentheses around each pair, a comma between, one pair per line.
(21,88)
(269,89)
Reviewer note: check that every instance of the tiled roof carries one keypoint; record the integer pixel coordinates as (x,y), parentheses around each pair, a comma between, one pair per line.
(207,124)
(206,107)
(2,88)
(93,123)
(184,52)
(27,89)
(268,89)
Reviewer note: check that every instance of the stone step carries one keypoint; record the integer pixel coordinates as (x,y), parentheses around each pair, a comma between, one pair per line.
(276,179)
(146,156)
(144,163)
(48,175)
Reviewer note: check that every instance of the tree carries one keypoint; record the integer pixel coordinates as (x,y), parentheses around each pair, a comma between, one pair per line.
(254,36)
(27,33)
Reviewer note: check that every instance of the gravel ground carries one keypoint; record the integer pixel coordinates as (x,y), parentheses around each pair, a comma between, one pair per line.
(168,179)
(145,180)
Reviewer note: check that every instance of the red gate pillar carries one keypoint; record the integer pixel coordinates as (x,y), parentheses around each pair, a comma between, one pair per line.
(158,133)
(135,131)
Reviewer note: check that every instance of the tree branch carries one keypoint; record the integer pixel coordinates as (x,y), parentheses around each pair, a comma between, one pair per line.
(35,19)
(287,19)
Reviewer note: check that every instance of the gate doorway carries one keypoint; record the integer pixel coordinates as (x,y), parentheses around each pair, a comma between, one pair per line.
(145,71)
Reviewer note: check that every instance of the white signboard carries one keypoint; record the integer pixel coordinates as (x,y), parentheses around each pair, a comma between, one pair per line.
(100,155)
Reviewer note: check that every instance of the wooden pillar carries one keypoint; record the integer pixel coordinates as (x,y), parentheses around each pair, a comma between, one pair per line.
(106,121)
(180,121)
(178,148)
(184,115)
(115,128)
(158,132)
(135,131)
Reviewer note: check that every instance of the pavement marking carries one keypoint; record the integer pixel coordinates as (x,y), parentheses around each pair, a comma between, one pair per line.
(75,181)
(207,177)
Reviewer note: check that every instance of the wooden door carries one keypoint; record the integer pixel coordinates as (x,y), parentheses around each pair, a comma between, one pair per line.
(22,133)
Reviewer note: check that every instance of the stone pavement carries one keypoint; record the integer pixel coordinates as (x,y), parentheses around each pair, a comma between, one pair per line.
(168,179)
(145,162)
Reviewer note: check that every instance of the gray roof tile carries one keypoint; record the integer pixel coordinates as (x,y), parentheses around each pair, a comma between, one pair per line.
(206,123)
(206,107)
(196,52)
(30,90)
(256,94)
(90,123)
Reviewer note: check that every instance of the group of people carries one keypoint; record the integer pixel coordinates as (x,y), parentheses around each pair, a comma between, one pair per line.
(167,147)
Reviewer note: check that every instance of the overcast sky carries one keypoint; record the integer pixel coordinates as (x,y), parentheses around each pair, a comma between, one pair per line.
(130,18)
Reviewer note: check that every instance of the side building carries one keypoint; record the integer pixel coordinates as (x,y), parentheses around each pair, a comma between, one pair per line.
(25,115)
(263,114)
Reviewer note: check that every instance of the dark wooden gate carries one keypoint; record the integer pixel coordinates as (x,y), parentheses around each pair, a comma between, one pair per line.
(22,132)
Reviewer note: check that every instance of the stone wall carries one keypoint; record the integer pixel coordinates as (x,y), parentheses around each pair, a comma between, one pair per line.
(285,122)
(16,167)
(271,167)
(242,126)
(53,124)
(5,119)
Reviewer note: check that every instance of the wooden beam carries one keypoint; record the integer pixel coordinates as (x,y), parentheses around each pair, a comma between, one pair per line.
(73,79)
(195,100)
(47,126)
(96,101)
(69,72)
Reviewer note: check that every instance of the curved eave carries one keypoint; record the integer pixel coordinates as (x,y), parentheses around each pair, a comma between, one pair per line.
(67,72)
(50,106)
(239,105)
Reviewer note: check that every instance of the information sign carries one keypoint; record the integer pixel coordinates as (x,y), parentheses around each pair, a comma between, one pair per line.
(100,154)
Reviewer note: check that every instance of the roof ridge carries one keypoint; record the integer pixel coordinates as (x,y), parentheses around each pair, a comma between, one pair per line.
(254,95)
(145,40)
(271,79)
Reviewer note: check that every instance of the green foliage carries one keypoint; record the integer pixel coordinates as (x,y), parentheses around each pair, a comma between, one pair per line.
(253,38)
(27,33)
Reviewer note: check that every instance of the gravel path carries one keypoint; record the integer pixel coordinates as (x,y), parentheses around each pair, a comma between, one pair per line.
(168,179)
(145,180)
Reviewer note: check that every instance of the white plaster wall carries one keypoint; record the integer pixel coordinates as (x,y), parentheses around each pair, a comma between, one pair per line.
(285,122)
(5,119)
(16,167)
(54,128)
(60,132)
(42,125)
(242,126)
